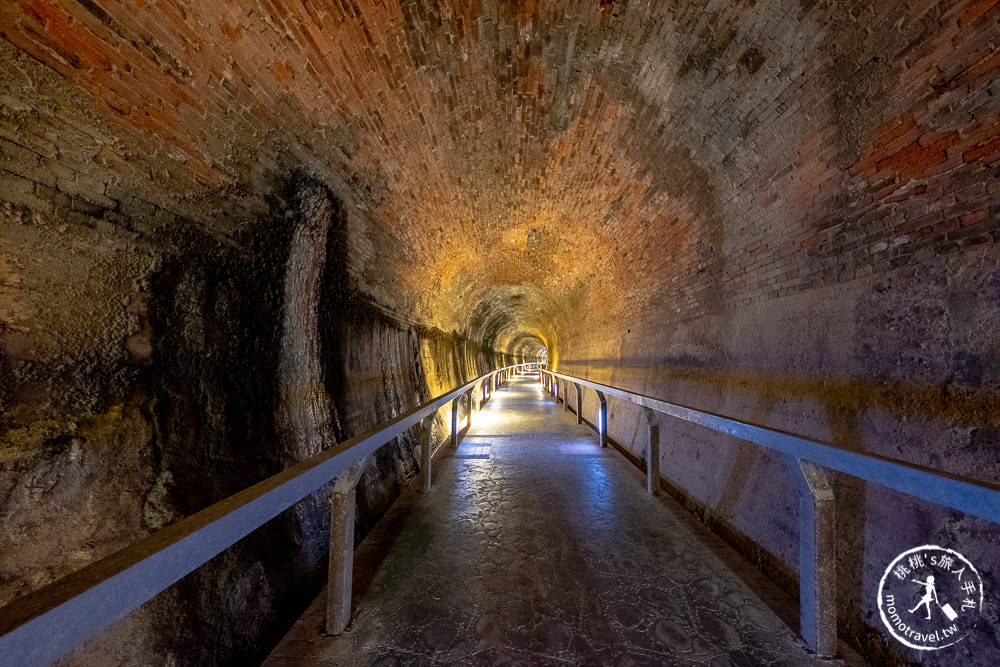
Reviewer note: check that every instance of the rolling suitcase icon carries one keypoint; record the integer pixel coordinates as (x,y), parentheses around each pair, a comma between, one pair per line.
(948,611)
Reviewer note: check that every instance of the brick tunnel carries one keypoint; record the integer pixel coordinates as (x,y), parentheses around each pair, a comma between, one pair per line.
(237,236)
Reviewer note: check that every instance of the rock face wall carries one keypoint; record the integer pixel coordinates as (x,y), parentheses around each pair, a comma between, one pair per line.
(169,400)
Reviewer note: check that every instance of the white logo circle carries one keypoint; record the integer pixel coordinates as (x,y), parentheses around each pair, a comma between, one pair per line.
(930,597)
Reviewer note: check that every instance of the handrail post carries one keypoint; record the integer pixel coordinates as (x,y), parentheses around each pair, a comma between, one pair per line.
(566,398)
(469,414)
(454,421)
(426,452)
(340,571)
(341,561)
(579,403)
(817,558)
(652,452)
(50,622)
(602,418)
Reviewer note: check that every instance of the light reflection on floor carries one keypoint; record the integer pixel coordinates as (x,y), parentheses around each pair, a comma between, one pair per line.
(547,552)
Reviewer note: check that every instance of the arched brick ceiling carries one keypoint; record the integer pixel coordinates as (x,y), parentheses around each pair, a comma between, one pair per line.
(514,169)
(520,317)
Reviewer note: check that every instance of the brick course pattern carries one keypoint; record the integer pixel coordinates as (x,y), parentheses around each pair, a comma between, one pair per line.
(617,156)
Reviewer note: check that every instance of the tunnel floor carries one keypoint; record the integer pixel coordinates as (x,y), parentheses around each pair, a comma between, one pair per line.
(537,547)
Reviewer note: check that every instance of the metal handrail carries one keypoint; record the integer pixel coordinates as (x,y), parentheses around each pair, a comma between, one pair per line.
(43,626)
(817,522)
(969,497)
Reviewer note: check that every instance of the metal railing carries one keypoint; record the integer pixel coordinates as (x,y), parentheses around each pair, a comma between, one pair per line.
(812,462)
(43,626)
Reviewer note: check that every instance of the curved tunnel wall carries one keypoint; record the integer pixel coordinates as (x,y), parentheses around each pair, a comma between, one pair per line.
(784,212)
(149,413)
(831,367)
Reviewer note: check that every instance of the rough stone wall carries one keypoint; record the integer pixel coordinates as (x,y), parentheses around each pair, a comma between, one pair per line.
(140,385)
(73,411)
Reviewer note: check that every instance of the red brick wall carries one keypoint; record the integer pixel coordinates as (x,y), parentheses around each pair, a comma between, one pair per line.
(657,156)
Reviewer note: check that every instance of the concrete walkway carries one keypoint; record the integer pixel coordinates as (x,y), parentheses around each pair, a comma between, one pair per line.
(537,547)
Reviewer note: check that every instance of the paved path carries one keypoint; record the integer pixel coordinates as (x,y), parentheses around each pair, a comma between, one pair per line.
(537,547)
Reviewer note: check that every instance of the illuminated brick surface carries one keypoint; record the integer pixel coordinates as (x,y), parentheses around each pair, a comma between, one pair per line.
(599,159)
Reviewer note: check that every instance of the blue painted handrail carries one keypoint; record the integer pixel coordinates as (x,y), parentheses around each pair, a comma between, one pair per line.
(969,497)
(43,626)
